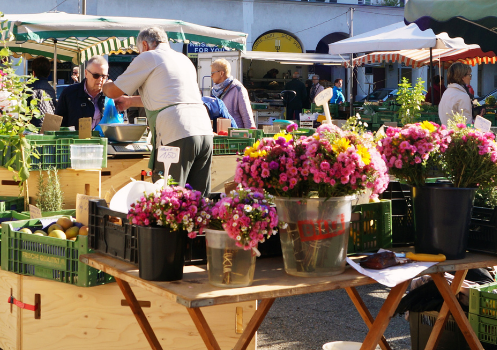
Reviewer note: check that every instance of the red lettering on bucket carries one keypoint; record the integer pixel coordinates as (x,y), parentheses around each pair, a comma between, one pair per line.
(314,230)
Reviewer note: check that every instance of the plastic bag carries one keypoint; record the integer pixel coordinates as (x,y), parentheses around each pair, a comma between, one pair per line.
(111,115)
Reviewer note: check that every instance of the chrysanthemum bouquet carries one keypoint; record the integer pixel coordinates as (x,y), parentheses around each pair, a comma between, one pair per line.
(470,159)
(249,217)
(410,151)
(177,207)
(331,163)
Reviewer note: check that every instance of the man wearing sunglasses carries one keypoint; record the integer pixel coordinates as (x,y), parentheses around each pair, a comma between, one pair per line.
(85,99)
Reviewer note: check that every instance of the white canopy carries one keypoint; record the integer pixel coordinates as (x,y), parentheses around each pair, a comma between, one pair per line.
(396,36)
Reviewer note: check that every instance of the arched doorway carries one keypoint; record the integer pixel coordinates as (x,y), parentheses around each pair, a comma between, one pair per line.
(330,73)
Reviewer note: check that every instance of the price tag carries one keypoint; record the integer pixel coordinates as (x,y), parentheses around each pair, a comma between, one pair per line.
(167,155)
(482,124)
(85,128)
(82,208)
(34,212)
(51,122)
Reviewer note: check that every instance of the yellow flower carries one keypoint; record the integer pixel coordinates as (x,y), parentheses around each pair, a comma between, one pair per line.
(249,150)
(364,154)
(340,145)
(427,126)
(286,136)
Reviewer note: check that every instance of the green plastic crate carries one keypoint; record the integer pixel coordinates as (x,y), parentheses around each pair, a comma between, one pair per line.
(230,145)
(54,151)
(485,328)
(11,203)
(68,134)
(47,257)
(371,227)
(6,216)
(482,301)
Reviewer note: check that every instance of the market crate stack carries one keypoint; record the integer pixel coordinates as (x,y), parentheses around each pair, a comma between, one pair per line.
(483,312)
(482,235)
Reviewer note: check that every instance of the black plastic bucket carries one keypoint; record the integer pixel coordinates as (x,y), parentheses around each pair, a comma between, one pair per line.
(161,253)
(442,215)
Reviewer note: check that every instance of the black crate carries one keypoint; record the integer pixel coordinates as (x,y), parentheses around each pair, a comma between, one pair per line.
(421,325)
(402,213)
(117,238)
(482,235)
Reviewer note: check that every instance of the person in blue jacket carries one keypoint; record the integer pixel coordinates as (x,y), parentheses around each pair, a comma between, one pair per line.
(217,109)
(337,92)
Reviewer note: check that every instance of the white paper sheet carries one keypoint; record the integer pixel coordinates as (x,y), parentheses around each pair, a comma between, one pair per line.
(391,276)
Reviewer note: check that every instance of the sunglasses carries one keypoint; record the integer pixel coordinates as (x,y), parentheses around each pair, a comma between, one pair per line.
(97,76)
(212,73)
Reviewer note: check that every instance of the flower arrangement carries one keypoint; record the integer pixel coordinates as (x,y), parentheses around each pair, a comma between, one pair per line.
(179,208)
(331,163)
(410,151)
(249,217)
(470,158)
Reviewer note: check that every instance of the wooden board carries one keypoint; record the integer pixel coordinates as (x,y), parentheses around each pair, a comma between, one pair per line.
(270,280)
(93,318)
(118,174)
(222,171)
(72,182)
(9,320)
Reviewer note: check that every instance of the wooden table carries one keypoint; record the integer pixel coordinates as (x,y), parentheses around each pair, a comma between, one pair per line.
(271,282)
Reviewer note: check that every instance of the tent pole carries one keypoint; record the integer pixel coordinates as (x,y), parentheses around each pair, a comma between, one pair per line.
(430,80)
(351,76)
(55,66)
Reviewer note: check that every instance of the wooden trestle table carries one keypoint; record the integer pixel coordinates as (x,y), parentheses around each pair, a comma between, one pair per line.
(270,282)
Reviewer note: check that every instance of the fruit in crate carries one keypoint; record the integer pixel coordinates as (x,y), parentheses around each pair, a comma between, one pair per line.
(40,233)
(55,227)
(83,231)
(65,223)
(57,234)
(25,230)
(72,232)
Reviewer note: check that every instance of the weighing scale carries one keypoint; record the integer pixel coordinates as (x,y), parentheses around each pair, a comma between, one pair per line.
(129,148)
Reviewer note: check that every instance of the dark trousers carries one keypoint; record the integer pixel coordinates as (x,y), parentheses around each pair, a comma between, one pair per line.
(293,114)
(194,166)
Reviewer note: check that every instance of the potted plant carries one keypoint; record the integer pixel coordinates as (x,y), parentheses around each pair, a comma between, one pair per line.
(314,179)
(164,220)
(235,225)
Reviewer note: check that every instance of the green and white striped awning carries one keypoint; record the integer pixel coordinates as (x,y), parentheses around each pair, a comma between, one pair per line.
(79,37)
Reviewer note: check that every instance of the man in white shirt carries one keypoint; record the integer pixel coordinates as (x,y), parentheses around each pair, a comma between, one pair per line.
(166,81)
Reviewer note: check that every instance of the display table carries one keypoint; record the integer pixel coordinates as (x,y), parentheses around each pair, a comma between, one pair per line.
(271,282)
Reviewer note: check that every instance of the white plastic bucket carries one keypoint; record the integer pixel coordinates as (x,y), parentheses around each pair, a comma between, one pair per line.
(344,345)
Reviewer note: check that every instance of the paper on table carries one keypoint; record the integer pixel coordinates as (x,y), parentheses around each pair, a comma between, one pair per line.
(391,276)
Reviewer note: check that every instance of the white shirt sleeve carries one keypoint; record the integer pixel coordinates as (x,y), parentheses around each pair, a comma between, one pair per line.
(136,73)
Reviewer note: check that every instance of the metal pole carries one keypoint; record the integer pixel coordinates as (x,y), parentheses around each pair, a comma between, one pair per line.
(83,7)
(351,70)
(55,66)
(430,79)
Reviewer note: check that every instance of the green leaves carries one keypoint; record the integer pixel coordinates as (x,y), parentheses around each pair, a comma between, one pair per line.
(410,99)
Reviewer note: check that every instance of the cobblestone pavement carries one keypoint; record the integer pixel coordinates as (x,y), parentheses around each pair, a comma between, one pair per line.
(306,322)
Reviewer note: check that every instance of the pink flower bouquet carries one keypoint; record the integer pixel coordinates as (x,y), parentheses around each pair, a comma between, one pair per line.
(249,217)
(173,206)
(331,163)
(409,151)
(470,158)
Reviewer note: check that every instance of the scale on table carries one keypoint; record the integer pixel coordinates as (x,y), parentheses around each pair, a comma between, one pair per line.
(126,139)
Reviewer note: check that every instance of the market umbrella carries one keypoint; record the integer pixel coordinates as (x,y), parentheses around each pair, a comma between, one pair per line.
(76,38)
(474,21)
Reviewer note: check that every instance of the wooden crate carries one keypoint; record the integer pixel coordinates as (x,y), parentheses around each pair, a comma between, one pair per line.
(222,171)
(72,182)
(93,318)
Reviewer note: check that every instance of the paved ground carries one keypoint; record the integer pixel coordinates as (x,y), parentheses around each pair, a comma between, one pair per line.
(307,322)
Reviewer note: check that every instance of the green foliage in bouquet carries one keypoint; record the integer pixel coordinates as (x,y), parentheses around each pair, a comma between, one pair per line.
(410,99)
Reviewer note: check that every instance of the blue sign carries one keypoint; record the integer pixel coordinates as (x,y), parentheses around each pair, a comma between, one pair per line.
(194,49)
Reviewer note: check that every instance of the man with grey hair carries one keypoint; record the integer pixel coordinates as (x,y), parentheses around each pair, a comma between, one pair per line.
(167,84)
(85,99)
(316,88)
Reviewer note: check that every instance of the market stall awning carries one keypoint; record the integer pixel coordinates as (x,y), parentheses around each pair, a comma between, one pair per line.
(293,58)
(78,37)
(419,58)
(474,21)
(396,36)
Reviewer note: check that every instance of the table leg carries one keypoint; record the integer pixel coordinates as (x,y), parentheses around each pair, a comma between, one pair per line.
(138,312)
(444,312)
(203,328)
(365,314)
(254,324)
(380,324)
(457,312)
